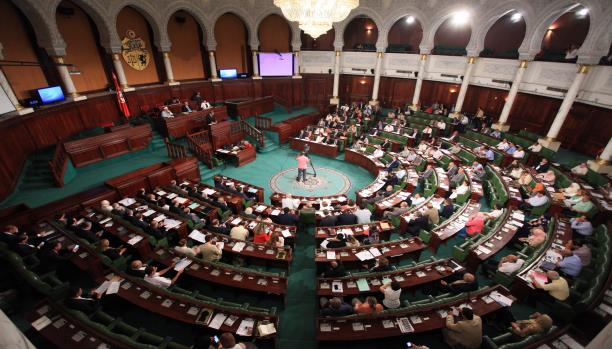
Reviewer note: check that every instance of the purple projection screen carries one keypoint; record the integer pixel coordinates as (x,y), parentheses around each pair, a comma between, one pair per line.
(275,64)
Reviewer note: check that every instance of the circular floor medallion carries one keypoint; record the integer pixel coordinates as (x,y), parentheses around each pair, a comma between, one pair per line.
(327,182)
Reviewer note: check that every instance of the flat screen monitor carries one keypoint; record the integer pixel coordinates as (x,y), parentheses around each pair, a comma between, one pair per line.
(275,64)
(228,73)
(50,94)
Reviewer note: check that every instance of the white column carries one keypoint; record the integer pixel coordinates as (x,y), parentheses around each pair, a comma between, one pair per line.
(419,82)
(374,100)
(168,67)
(550,140)
(602,164)
(4,85)
(296,65)
(255,65)
(335,100)
(67,79)
(120,73)
(518,77)
(213,66)
(465,83)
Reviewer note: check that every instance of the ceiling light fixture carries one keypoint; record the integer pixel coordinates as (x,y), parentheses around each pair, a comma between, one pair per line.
(410,19)
(516,17)
(582,12)
(316,17)
(460,17)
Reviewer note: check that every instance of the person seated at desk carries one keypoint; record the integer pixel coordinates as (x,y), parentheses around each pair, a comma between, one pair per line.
(539,199)
(23,247)
(458,178)
(452,169)
(239,232)
(210,118)
(580,249)
(447,209)
(432,214)
(495,134)
(386,145)
(397,211)
(352,242)
(519,153)
(418,222)
(535,148)
(511,149)
(543,166)
(53,256)
(347,217)
(580,169)
(581,226)
(105,206)
(395,163)
(244,144)
(423,145)
(488,153)
(328,220)
(389,128)
(427,131)
(548,176)
(275,240)
(503,145)
(429,171)
(182,248)
(370,305)
(304,134)
(363,213)
(495,213)
(110,252)
(378,152)
(572,190)
(392,292)
(217,227)
(466,333)
(136,269)
(535,238)
(335,269)
(186,108)
(166,113)
(335,307)
(459,282)
(197,98)
(417,199)
(86,303)
(473,226)
(10,235)
(582,207)
(508,265)
(337,241)
(205,105)
(570,265)
(85,232)
(556,289)
(536,324)
(156,278)
(209,251)
(525,178)
(289,202)
(287,218)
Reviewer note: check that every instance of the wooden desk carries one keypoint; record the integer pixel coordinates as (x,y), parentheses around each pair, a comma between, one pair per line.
(384,230)
(392,250)
(369,190)
(225,274)
(108,145)
(407,278)
(288,232)
(315,201)
(556,205)
(391,201)
(341,328)
(360,159)
(182,124)
(245,108)
(248,189)
(155,212)
(234,201)
(510,185)
(407,216)
(315,148)
(451,226)
(202,209)
(238,157)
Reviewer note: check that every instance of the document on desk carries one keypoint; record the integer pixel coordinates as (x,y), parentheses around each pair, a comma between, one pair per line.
(113,288)
(148,213)
(197,236)
(236,221)
(208,191)
(171,223)
(41,323)
(239,246)
(103,287)
(260,208)
(246,327)
(182,264)
(127,202)
(286,233)
(362,285)
(364,255)
(375,252)
(331,254)
(217,321)
(337,286)
(501,299)
(404,325)
(133,241)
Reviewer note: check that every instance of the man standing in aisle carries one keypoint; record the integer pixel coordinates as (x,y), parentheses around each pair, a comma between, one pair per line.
(302,161)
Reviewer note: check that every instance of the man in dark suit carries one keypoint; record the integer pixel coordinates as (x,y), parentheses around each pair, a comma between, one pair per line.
(216,227)
(393,164)
(52,257)
(136,269)
(429,171)
(186,108)
(329,220)
(86,232)
(154,230)
(23,248)
(542,166)
(139,221)
(287,218)
(447,209)
(419,222)
(84,303)
(335,269)
(346,218)
(10,235)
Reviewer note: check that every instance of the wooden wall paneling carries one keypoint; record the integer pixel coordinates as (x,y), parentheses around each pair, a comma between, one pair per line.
(317,88)
(99,111)
(489,99)
(395,91)
(533,113)
(354,88)
(298,99)
(441,92)
(586,129)
(218,92)
(237,89)
(258,88)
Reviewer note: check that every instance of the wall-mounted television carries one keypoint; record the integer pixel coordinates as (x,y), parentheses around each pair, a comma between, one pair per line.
(228,73)
(50,94)
(275,64)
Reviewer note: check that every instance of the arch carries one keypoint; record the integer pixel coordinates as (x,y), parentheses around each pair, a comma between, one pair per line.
(428,37)
(415,26)
(597,42)
(361,30)
(194,11)
(271,16)
(242,14)
(45,28)
(233,50)
(99,15)
(489,18)
(160,38)
(339,27)
(402,12)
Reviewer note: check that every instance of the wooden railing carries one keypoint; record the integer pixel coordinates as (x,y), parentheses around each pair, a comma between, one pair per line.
(175,150)
(250,130)
(58,164)
(199,144)
(263,123)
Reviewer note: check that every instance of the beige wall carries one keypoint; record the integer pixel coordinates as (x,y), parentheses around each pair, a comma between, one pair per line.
(230,34)
(130,19)
(186,53)
(82,50)
(17,47)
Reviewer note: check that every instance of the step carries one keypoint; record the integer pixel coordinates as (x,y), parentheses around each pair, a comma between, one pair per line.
(36,185)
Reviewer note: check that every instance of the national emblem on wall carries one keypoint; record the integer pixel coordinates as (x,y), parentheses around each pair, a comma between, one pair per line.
(134,51)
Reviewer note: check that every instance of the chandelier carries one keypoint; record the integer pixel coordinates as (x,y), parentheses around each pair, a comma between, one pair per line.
(316,17)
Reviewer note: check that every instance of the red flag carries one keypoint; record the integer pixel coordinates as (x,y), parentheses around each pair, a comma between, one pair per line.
(121,99)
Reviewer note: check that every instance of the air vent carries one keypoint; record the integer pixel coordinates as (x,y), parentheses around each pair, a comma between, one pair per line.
(449,76)
(554,89)
(502,82)
(404,71)
(359,70)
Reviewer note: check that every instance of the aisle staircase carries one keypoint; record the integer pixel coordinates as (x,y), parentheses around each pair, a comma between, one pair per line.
(37,173)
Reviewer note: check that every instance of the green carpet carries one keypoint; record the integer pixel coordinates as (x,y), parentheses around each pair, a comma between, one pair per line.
(279,114)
